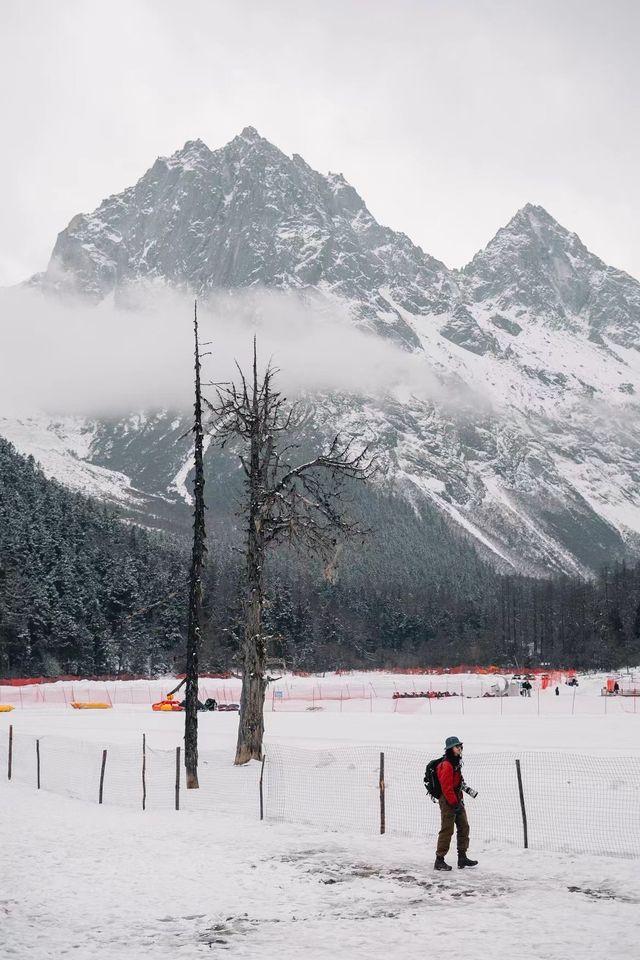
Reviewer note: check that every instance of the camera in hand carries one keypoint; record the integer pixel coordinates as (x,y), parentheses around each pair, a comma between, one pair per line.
(469,790)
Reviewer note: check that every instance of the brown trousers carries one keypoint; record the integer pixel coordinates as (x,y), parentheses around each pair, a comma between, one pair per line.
(447,821)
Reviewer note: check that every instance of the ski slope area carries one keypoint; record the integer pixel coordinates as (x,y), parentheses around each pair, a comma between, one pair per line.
(87,881)
(113,884)
(106,882)
(336,709)
(116,883)
(482,727)
(323,688)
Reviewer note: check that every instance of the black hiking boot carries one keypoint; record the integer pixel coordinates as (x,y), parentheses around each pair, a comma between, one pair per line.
(463,861)
(440,864)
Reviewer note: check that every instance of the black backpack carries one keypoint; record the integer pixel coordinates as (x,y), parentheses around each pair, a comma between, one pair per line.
(431,782)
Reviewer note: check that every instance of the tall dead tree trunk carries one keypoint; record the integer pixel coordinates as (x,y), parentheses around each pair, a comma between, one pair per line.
(300,504)
(253,653)
(195,584)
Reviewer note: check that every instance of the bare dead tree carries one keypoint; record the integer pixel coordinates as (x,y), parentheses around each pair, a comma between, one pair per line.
(301,504)
(195,583)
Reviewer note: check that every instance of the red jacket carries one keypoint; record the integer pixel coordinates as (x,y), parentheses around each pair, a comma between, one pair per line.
(450,781)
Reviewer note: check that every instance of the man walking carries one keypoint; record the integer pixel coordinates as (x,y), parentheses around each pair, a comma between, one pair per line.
(452,811)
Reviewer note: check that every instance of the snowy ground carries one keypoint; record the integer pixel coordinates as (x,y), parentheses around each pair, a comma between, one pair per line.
(83,881)
(109,882)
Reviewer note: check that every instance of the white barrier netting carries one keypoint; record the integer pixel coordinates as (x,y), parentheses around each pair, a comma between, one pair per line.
(454,698)
(74,768)
(572,803)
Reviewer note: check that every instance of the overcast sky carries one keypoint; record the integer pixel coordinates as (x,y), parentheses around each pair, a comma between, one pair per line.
(446,115)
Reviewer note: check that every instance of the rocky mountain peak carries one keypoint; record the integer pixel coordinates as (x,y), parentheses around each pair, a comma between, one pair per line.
(197,147)
(248,214)
(536,269)
(536,215)
(195,153)
(534,226)
(250,135)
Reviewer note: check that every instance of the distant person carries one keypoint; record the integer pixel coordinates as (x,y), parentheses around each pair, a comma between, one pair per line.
(526,688)
(616,687)
(452,811)
(557,691)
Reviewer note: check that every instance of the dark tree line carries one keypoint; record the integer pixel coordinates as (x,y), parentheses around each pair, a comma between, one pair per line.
(83,592)
(515,622)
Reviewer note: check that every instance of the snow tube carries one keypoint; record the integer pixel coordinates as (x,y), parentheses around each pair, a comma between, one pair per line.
(167,706)
(78,705)
(6,707)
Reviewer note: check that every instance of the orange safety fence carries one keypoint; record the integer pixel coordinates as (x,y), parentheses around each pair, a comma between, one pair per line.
(115,693)
(102,678)
(226,675)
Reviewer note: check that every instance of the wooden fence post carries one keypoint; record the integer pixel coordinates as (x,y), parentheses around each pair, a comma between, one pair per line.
(261,793)
(177,778)
(104,763)
(38,763)
(144,771)
(522,806)
(383,823)
(10,756)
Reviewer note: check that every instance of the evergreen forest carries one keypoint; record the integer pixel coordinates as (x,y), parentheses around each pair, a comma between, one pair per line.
(83,592)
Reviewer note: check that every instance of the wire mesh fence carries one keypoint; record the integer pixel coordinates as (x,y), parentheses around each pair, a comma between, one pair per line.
(560,802)
(576,804)
(128,775)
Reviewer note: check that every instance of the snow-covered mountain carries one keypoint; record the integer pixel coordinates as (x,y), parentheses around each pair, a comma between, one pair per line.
(533,449)
(540,271)
(247,214)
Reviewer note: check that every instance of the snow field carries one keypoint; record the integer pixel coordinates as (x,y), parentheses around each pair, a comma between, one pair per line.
(323,766)
(113,882)
(316,773)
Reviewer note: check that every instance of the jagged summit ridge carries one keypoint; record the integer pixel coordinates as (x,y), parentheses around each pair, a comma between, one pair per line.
(250,134)
(194,151)
(248,214)
(537,269)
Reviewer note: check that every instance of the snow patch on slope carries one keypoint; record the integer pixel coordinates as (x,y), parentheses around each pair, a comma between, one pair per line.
(61,447)
(179,483)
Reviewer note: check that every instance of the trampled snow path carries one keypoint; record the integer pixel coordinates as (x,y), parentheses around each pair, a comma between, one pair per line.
(109,883)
